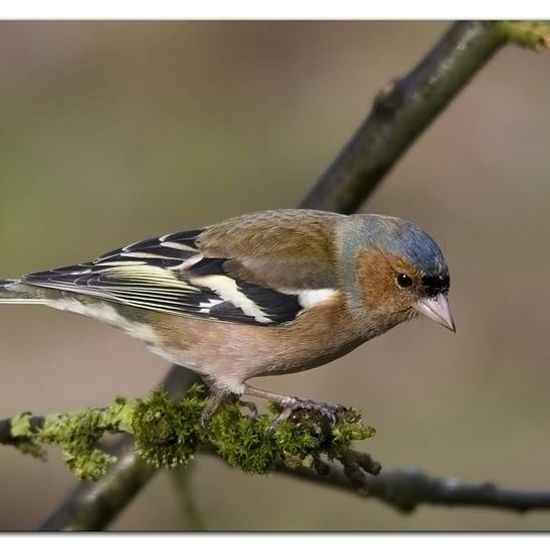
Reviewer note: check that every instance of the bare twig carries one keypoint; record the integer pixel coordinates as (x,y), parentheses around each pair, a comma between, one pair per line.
(191,513)
(401,112)
(405,489)
(92,506)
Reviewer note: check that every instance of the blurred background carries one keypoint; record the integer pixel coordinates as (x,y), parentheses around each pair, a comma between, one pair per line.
(114,132)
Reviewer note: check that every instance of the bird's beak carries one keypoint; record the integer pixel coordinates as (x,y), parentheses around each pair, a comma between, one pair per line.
(437,309)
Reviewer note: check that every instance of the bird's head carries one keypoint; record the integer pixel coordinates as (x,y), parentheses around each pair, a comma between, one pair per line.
(397,271)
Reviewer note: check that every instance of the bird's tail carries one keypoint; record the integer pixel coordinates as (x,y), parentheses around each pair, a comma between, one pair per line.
(14,292)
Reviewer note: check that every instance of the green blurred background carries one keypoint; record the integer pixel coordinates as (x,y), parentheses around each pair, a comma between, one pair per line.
(113,132)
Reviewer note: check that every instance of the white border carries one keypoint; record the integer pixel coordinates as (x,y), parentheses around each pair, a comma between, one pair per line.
(281,9)
(276,541)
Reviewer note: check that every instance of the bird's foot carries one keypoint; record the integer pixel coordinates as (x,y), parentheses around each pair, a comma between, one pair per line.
(217,400)
(214,402)
(252,408)
(327,411)
(294,406)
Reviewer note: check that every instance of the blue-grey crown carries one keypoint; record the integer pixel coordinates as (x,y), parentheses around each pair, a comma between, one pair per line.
(398,237)
(406,240)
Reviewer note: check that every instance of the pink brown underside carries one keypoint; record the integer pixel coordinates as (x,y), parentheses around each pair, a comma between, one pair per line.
(235,352)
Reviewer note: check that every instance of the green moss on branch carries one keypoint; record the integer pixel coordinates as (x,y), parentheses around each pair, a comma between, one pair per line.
(168,433)
(527,34)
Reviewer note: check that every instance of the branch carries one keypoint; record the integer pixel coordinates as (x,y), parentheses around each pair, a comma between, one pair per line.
(168,433)
(401,112)
(406,107)
(191,514)
(534,35)
(353,176)
(405,489)
(92,506)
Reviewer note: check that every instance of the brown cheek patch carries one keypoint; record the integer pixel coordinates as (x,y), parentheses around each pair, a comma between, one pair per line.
(376,278)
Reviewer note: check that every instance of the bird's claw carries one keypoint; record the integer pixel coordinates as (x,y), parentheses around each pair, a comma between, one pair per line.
(253,409)
(327,411)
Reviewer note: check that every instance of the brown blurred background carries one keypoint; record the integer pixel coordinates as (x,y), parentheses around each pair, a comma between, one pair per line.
(113,132)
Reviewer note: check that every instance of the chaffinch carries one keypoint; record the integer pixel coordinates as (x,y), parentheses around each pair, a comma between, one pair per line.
(261,294)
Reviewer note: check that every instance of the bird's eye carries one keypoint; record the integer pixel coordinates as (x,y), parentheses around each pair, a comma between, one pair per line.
(404,281)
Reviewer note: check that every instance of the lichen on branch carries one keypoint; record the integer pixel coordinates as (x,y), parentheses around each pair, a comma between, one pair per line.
(168,433)
(534,35)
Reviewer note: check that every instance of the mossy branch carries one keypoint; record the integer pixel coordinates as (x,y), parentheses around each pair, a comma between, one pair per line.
(534,35)
(167,433)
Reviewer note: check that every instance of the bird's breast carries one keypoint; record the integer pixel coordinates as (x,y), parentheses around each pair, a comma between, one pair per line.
(239,351)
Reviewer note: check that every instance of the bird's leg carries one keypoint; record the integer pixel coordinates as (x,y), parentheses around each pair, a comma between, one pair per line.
(218,398)
(251,406)
(291,404)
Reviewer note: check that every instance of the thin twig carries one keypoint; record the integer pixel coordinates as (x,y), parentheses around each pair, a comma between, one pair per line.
(405,489)
(191,513)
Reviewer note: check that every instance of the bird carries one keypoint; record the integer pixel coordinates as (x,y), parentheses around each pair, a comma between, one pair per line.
(264,293)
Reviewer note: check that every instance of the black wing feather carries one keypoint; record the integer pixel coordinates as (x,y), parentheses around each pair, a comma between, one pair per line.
(149,275)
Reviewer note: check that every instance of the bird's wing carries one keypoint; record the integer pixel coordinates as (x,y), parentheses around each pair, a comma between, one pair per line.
(189,273)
